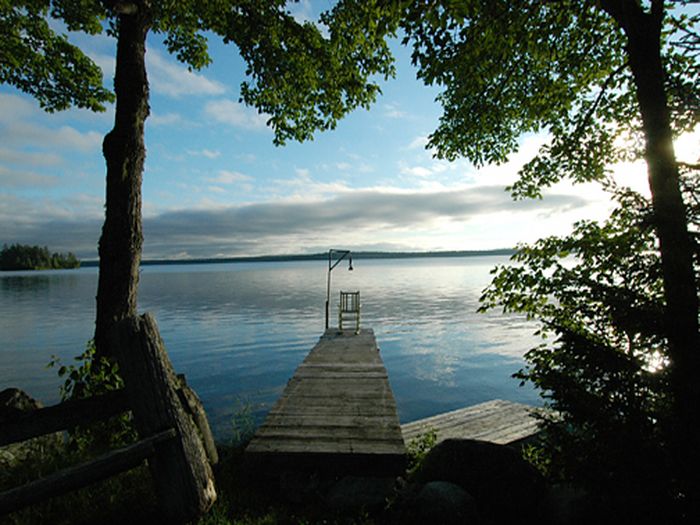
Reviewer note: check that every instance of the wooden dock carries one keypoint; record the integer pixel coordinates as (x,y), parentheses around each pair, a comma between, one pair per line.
(497,421)
(337,411)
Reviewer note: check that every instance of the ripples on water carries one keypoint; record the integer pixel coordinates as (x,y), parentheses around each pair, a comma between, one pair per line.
(238,331)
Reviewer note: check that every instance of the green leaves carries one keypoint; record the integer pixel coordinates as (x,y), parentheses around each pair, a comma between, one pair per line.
(598,297)
(36,60)
(510,68)
(307,76)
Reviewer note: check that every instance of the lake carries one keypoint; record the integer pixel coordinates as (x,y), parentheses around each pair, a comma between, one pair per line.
(239,330)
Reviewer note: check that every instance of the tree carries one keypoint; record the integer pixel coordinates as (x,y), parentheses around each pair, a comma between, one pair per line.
(23,257)
(36,60)
(601,366)
(601,77)
(302,79)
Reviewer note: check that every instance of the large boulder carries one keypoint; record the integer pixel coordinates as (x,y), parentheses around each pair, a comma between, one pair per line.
(505,486)
(15,402)
(354,493)
(445,503)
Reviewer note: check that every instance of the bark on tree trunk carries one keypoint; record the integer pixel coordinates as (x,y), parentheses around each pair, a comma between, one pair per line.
(124,152)
(643,31)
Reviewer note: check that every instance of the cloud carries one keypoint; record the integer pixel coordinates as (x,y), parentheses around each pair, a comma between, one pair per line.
(434,168)
(230,177)
(169,78)
(25,179)
(208,153)
(419,142)
(302,11)
(273,226)
(64,137)
(393,111)
(235,114)
(13,107)
(29,158)
(166,119)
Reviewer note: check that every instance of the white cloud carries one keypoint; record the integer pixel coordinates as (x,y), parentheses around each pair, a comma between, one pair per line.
(29,158)
(25,179)
(208,153)
(343,166)
(301,11)
(417,171)
(14,107)
(169,78)
(419,142)
(230,177)
(394,111)
(235,114)
(166,119)
(434,167)
(24,133)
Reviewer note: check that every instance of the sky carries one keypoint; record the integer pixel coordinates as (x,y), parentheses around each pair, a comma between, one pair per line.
(214,184)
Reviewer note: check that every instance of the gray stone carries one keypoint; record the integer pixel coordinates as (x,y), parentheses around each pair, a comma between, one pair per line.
(299,486)
(446,503)
(360,493)
(14,402)
(504,485)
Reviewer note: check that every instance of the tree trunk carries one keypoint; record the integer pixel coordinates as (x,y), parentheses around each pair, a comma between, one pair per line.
(182,475)
(643,30)
(124,152)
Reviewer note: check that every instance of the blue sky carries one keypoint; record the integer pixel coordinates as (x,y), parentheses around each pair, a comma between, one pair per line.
(214,184)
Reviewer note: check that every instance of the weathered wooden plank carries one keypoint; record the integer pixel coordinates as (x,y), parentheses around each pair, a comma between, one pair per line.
(73,478)
(497,421)
(338,402)
(306,420)
(332,447)
(63,416)
(313,432)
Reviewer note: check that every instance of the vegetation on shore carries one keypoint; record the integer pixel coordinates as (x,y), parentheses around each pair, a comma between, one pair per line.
(324,256)
(25,257)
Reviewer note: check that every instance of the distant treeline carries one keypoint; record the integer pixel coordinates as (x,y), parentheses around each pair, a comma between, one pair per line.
(324,256)
(21,257)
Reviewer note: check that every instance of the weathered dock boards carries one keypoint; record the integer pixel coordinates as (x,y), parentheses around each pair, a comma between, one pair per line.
(497,421)
(338,410)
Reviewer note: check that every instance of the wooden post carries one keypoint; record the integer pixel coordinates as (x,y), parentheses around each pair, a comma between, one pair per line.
(193,405)
(181,472)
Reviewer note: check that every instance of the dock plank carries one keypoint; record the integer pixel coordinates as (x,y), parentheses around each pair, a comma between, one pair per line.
(337,405)
(497,421)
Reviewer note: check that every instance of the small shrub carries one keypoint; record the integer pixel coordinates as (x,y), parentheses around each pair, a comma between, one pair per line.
(94,376)
(242,423)
(419,447)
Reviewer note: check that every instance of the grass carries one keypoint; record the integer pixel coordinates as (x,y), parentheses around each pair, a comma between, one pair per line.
(112,501)
(243,499)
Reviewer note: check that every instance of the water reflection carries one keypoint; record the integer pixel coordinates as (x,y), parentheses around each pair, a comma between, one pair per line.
(240,330)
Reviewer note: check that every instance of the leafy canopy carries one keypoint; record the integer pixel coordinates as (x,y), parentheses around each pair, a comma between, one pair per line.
(511,68)
(304,76)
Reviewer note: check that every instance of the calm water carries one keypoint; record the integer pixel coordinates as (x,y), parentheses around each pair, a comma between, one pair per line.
(238,331)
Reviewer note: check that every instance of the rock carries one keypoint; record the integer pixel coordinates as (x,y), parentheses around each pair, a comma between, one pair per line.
(445,503)
(14,402)
(353,493)
(504,485)
(299,486)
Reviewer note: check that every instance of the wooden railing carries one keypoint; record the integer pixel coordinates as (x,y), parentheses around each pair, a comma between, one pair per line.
(175,434)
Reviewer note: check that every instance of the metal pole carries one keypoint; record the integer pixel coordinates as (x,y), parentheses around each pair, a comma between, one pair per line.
(328,289)
(332,265)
